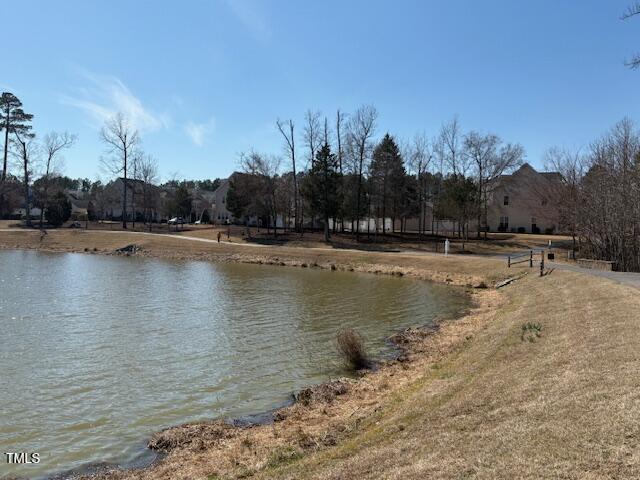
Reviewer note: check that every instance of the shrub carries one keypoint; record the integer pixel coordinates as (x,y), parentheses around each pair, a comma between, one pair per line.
(352,349)
(531,331)
(58,210)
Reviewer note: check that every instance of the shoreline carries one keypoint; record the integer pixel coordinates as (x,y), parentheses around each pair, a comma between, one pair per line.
(308,406)
(348,399)
(176,247)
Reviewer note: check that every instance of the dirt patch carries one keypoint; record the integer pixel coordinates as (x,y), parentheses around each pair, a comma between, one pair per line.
(194,436)
(323,393)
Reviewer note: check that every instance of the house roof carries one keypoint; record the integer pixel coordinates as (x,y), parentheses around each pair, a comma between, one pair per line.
(76,201)
(223,183)
(527,168)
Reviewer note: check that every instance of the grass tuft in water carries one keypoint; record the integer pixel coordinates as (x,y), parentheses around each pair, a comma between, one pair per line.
(351,347)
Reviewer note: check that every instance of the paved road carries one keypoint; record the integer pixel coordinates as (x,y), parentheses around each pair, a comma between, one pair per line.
(628,278)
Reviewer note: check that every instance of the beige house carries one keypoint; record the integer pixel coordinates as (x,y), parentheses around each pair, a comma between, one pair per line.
(522,202)
(219,204)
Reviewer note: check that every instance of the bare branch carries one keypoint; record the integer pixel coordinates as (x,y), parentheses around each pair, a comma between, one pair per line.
(634,63)
(632,10)
(312,133)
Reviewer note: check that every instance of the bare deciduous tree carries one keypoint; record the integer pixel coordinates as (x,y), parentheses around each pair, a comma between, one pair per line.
(147,174)
(121,139)
(449,148)
(290,145)
(419,155)
(490,159)
(567,194)
(52,145)
(360,133)
(631,11)
(312,133)
(265,171)
(609,222)
(340,118)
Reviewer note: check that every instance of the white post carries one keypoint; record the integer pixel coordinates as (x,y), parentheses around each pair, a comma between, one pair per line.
(446,247)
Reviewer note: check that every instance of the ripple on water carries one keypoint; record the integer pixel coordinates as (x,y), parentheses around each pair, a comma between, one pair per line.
(108,350)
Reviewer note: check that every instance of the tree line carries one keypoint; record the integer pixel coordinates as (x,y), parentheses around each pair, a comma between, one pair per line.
(598,200)
(338,173)
(32,172)
(28,155)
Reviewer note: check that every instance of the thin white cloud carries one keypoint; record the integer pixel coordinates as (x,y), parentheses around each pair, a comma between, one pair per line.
(198,132)
(106,95)
(251,17)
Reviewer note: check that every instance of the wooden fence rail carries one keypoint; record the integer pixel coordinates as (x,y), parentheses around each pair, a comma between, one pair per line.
(526,257)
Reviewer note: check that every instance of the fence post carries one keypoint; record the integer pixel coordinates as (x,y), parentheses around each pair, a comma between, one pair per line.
(530,258)
(509,261)
(542,263)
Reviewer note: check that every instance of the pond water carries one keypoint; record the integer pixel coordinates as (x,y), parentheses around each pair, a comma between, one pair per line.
(97,353)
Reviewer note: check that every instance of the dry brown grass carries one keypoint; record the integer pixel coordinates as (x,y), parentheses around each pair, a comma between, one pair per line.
(564,406)
(475,401)
(495,243)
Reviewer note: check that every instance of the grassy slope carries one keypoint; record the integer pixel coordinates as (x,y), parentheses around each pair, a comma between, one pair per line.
(565,406)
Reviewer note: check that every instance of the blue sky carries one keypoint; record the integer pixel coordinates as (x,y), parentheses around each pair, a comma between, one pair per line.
(204,80)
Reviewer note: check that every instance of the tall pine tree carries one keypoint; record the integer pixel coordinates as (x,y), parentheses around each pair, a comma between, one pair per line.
(322,186)
(387,179)
(12,120)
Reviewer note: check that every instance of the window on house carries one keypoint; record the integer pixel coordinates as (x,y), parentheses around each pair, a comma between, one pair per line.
(506,200)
